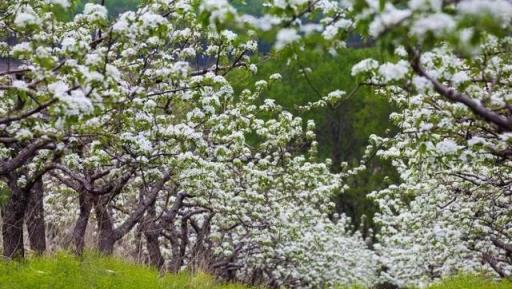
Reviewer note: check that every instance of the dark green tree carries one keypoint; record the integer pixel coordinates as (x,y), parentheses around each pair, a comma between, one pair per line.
(343,129)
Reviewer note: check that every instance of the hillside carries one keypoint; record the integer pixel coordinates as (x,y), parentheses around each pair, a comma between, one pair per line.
(64,271)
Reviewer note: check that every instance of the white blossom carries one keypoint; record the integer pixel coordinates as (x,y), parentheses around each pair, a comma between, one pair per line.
(26,16)
(393,71)
(285,37)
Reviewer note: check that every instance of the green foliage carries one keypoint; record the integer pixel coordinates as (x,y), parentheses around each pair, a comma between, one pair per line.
(64,271)
(342,129)
(361,114)
(115,7)
(253,7)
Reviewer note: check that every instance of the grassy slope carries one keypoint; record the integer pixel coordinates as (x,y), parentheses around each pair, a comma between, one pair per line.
(66,272)
(472,282)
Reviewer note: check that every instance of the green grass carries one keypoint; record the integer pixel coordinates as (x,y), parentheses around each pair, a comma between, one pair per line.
(472,282)
(64,271)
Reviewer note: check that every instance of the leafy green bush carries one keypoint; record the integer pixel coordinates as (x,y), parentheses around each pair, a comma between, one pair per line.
(64,271)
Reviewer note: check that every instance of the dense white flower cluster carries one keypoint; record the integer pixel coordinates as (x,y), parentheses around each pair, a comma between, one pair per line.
(450,213)
(450,79)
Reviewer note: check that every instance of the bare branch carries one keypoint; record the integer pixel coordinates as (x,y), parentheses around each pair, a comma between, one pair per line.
(138,213)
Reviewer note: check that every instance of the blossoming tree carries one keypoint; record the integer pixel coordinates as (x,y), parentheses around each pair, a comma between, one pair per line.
(450,81)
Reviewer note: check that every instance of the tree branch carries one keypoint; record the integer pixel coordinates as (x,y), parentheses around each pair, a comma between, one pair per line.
(9,119)
(23,156)
(138,213)
(451,94)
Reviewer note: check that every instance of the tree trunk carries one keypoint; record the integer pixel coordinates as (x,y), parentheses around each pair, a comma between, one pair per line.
(13,214)
(138,253)
(175,247)
(34,218)
(184,241)
(151,232)
(106,238)
(81,223)
(12,230)
(153,246)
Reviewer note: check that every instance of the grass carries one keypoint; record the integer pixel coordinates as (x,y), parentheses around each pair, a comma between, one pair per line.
(64,271)
(472,282)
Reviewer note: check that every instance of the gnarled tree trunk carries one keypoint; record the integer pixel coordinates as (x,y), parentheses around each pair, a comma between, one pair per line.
(151,232)
(153,246)
(108,234)
(34,218)
(106,237)
(13,215)
(81,223)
